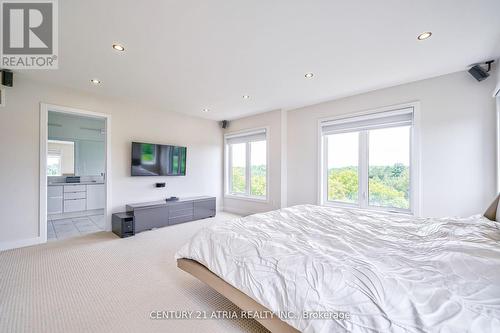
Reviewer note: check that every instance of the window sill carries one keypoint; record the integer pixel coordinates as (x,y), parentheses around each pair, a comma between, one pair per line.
(370,208)
(246,198)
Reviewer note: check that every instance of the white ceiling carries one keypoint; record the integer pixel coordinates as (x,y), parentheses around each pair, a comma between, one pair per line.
(186,55)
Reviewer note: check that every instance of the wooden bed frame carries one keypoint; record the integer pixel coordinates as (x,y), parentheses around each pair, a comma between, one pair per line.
(240,299)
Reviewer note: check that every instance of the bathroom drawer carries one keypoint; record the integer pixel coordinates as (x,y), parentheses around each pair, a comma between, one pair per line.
(75,205)
(75,195)
(75,188)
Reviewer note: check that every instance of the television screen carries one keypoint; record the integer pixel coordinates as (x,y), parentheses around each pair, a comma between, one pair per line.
(158,160)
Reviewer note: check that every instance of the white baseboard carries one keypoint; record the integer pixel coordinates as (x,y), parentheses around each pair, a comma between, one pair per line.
(237,211)
(20,243)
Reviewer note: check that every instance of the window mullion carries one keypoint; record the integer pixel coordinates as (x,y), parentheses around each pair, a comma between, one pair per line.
(363,169)
(325,168)
(247,169)
(229,171)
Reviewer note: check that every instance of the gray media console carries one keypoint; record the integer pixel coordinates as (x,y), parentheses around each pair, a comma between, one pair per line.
(157,214)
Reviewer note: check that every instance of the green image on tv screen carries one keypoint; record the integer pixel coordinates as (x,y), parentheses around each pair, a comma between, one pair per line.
(158,160)
(148,152)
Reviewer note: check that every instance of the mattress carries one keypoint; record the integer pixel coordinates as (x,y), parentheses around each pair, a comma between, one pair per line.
(324,269)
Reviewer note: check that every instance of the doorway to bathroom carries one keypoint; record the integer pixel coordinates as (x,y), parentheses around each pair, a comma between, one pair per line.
(74,172)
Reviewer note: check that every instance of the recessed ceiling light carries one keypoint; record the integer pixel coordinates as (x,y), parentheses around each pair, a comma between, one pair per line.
(424,35)
(246,96)
(119,47)
(95,81)
(205,110)
(309,75)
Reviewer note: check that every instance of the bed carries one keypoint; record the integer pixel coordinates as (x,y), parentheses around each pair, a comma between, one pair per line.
(324,269)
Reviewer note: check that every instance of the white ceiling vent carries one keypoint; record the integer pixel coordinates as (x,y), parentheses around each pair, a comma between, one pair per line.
(2,97)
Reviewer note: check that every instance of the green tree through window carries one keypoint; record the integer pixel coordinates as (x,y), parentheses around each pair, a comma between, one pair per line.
(389,185)
(258,182)
(384,153)
(248,159)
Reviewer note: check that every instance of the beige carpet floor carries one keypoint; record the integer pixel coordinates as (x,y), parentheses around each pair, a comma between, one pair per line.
(101,283)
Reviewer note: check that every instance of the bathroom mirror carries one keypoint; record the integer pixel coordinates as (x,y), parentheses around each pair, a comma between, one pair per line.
(60,158)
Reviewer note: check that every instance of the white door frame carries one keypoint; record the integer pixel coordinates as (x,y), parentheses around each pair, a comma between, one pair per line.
(44,112)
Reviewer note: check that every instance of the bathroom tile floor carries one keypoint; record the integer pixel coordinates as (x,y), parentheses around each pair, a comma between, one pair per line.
(73,227)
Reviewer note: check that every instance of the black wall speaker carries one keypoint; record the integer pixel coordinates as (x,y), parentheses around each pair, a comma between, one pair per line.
(478,73)
(7,78)
(224,123)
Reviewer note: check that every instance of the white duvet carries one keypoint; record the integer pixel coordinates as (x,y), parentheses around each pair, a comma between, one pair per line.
(390,272)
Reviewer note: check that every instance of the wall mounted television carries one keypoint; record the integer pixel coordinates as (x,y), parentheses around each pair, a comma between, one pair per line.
(150,159)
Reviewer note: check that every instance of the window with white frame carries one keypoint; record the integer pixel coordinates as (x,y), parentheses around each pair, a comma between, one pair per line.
(54,167)
(369,161)
(246,164)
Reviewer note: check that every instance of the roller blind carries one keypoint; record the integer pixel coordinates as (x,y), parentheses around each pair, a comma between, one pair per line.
(53,152)
(401,117)
(257,135)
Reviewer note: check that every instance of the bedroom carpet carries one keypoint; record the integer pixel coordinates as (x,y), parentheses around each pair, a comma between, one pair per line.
(101,283)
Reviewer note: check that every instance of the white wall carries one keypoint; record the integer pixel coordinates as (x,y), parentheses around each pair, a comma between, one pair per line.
(273,121)
(457,142)
(457,135)
(19,151)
